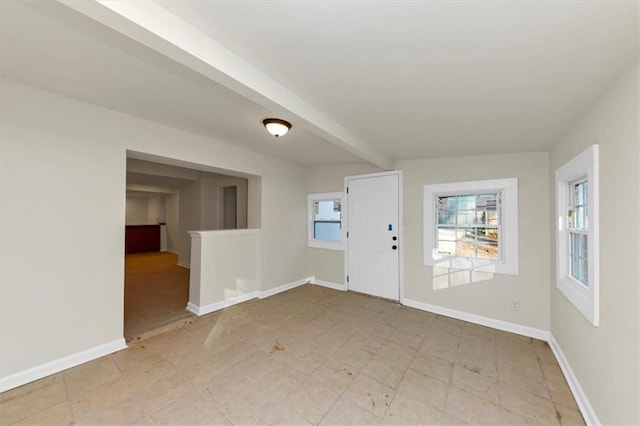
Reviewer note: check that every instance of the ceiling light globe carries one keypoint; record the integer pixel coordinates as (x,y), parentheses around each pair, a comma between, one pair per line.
(276,126)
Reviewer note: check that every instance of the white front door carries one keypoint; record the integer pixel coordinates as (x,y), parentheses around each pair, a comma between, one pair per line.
(373,242)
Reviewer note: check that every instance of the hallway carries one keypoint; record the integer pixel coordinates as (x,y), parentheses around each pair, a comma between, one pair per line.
(156,292)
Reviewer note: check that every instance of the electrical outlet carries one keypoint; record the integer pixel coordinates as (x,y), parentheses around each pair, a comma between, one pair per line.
(515,305)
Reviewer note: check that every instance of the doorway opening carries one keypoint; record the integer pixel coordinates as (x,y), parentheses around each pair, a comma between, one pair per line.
(163,203)
(228,206)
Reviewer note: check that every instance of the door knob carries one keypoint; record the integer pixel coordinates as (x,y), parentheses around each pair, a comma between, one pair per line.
(394,247)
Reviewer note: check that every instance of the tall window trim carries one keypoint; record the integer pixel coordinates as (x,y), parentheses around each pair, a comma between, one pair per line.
(583,292)
(507,190)
(312,221)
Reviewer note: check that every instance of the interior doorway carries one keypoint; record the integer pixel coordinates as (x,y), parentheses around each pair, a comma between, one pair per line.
(374,237)
(164,203)
(229,207)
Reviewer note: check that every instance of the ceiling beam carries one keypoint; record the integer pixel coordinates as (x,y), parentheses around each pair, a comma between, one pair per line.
(156,28)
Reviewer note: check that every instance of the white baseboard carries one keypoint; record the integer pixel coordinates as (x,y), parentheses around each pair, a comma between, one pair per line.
(589,414)
(212,307)
(524,330)
(284,287)
(329,285)
(184,265)
(44,370)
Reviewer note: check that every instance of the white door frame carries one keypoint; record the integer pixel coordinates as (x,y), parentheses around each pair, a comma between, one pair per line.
(400,228)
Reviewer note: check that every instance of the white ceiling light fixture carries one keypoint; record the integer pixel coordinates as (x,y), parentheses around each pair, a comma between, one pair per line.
(276,127)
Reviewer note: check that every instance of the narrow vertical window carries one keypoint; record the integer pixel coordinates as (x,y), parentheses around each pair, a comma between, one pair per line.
(578,227)
(577,242)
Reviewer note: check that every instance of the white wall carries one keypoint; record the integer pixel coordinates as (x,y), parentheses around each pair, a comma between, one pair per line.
(216,278)
(190,214)
(606,359)
(145,210)
(490,297)
(137,209)
(172,217)
(324,264)
(47,143)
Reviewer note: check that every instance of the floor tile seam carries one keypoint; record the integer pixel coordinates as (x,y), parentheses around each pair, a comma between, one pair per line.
(65,402)
(514,385)
(395,392)
(327,412)
(450,384)
(546,382)
(121,398)
(40,411)
(68,396)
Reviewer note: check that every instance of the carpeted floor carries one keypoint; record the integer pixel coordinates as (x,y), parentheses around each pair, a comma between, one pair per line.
(156,292)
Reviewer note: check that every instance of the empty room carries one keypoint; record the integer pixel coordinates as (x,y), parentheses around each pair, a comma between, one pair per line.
(379,212)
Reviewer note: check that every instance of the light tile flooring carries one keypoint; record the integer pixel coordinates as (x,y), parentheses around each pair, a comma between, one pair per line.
(309,356)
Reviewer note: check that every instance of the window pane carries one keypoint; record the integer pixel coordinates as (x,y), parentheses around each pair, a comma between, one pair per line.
(580,269)
(467,202)
(580,218)
(326,210)
(465,217)
(464,239)
(581,191)
(584,272)
(447,218)
(446,234)
(447,203)
(487,243)
(579,245)
(466,243)
(446,247)
(327,230)
(492,218)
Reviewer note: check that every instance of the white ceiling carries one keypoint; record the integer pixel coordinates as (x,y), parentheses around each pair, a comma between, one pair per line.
(377,80)
(436,78)
(51,48)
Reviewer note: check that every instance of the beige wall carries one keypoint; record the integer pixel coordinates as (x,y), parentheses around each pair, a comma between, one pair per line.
(492,296)
(324,264)
(137,210)
(54,149)
(190,214)
(606,359)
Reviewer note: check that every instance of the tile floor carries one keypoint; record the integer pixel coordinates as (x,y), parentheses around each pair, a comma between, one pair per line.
(156,292)
(309,356)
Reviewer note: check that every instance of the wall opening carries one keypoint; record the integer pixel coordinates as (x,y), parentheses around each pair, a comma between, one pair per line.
(165,199)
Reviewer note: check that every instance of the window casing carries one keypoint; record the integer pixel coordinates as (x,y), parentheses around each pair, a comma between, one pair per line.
(325,217)
(577,247)
(472,225)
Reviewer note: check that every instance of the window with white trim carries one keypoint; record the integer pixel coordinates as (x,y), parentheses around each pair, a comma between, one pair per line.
(472,225)
(325,228)
(577,232)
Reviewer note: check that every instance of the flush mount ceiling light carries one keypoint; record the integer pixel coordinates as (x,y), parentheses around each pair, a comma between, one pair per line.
(276,127)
